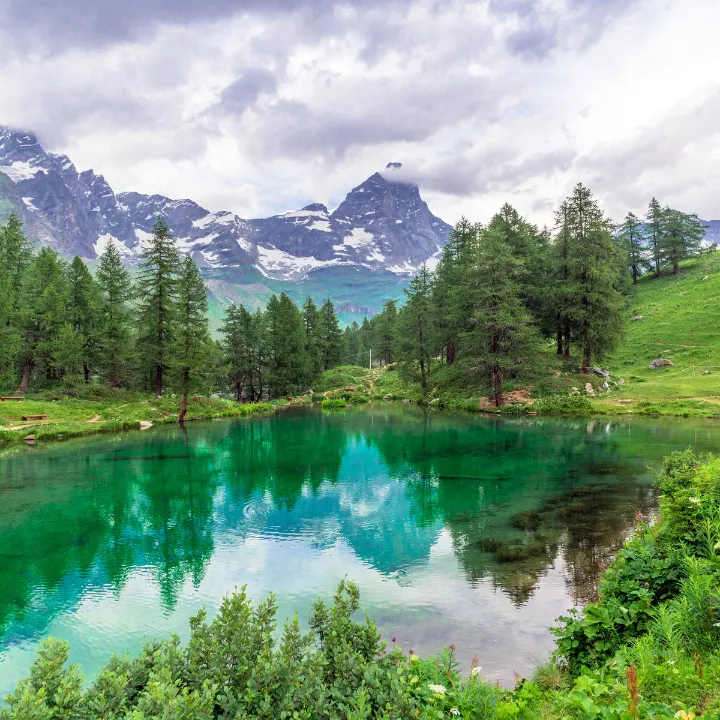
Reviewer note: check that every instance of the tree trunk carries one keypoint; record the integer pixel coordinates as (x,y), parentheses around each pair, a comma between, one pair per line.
(451,351)
(587,357)
(158,380)
(559,336)
(183,409)
(25,378)
(635,274)
(86,371)
(238,391)
(496,381)
(566,333)
(114,380)
(676,266)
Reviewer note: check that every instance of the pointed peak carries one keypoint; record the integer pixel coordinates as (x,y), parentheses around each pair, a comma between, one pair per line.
(393,165)
(316,207)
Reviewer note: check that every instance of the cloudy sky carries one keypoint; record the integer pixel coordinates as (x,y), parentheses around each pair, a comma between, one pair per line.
(285,102)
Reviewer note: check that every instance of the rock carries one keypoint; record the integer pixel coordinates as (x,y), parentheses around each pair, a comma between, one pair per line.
(683,293)
(406,400)
(605,386)
(30,439)
(707,277)
(621,381)
(589,389)
(660,362)
(600,372)
(144,424)
(707,372)
(388,397)
(638,317)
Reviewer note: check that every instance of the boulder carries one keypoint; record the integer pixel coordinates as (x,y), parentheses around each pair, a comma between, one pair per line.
(600,372)
(638,317)
(589,389)
(707,372)
(660,362)
(388,397)
(145,425)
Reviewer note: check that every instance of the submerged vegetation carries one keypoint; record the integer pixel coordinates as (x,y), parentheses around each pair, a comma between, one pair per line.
(648,647)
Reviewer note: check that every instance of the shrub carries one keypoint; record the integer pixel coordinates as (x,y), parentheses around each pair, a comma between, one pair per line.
(561,404)
(334,403)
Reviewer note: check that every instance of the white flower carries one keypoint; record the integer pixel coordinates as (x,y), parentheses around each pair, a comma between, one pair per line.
(695,501)
(475,671)
(439,689)
(454,711)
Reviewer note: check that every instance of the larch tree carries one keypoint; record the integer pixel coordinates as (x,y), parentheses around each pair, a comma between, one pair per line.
(188,348)
(500,329)
(84,313)
(414,348)
(116,291)
(682,237)
(157,293)
(594,300)
(330,337)
(654,229)
(630,239)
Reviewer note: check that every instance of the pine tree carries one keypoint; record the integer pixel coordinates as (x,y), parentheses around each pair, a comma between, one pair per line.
(240,342)
(630,240)
(449,304)
(594,300)
(311,321)
(501,329)
(562,294)
(69,353)
(286,346)
(385,333)
(189,346)
(42,313)
(330,337)
(115,293)
(351,343)
(414,321)
(15,256)
(84,312)
(682,237)
(654,228)
(157,290)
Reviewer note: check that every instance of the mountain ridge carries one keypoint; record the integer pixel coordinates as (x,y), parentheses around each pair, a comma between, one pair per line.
(383,225)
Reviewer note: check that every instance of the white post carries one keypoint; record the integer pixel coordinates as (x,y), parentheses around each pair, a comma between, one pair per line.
(370,359)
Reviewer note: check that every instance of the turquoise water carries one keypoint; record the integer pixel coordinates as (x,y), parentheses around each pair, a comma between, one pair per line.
(108,540)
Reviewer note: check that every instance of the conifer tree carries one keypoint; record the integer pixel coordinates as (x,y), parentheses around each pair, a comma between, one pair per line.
(115,293)
(594,300)
(385,333)
(630,240)
(42,313)
(311,321)
(654,228)
(414,349)
(330,337)
(562,289)
(240,341)
(682,237)
(351,343)
(84,313)
(190,341)
(500,332)
(286,346)
(157,291)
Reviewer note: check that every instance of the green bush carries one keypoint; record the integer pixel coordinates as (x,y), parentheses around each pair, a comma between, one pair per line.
(334,403)
(561,404)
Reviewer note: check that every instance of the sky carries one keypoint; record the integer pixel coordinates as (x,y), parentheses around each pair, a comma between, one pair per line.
(263,106)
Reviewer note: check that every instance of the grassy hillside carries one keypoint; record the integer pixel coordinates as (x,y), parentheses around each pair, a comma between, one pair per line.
(678,318)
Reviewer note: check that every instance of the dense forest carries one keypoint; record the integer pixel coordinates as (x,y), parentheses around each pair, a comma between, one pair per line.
(501,295)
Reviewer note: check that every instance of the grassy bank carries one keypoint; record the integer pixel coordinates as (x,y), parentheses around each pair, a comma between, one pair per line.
(97,410)
(648,648)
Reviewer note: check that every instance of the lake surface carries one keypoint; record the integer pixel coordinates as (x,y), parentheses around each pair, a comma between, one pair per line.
(106,540)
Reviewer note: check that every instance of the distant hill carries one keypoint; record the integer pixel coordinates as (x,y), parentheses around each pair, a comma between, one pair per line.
(360,254)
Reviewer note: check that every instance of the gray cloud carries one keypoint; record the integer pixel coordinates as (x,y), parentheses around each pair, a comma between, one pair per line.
(242,93)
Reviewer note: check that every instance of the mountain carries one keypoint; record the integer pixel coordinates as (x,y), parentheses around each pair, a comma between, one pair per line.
(360,255)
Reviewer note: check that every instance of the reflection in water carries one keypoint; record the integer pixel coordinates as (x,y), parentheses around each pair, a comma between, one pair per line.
(468,530)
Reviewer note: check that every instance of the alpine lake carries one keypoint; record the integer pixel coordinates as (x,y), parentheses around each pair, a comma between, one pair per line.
(475,531)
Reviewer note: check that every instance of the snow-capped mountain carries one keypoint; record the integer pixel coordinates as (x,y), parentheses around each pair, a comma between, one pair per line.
(381,225)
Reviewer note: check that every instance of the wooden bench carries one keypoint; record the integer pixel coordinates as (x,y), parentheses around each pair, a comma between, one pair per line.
(19,399)
(34,417)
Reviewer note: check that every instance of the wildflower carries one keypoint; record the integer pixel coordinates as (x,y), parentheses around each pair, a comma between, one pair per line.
(694,500)
(452,647)
(671,662)
(475,671)
(437,689)
(392,638)
(454,711)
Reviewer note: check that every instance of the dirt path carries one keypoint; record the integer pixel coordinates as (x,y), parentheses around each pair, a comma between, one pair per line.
(94,419)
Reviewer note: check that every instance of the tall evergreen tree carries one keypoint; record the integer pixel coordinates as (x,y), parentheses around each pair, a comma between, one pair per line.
(286,346)
(501,330)
(190,341)
(385,333)
(240,339)
(84,313)
(42,313)
(330,337)
(562,294)
(630,240)
(157,290)
(654,228)
(414,349)
(115,294)
(594,300)
(682,237)
(311,321)
(351,343)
